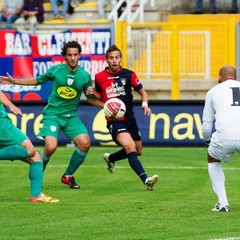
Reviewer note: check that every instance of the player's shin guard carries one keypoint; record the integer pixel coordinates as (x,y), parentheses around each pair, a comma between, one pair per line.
(13,152)
(76,161)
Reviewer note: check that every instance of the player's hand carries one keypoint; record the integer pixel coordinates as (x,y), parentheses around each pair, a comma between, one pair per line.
(15,110)
(6,79)
(90,91)
(147,110)
(207,141)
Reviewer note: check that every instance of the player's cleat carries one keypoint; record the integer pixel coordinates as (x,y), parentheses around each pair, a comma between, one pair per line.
(70,181)
(43,198)
(150,181)
(110,165)
(220,208)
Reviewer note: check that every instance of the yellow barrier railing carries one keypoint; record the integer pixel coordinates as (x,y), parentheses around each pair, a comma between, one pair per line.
(177,50)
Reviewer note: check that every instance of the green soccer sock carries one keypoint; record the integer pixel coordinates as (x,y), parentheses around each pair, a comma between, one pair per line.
(45,159)
(13,153)
(36,176)
(76,160)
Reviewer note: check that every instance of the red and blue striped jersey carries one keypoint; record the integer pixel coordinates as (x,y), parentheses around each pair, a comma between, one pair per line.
(118,85)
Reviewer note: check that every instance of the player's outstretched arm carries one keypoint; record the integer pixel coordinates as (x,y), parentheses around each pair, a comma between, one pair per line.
(4,100)
(91,91)
(96,102)
(18,81)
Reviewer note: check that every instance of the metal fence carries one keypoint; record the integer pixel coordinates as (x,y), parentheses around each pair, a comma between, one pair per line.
(177,50)
(150,53)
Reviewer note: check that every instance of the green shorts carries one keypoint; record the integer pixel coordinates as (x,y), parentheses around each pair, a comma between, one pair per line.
(71,127)
(10,134)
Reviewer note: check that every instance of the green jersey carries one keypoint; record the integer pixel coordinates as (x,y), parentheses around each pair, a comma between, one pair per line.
(67,88)
(3,112)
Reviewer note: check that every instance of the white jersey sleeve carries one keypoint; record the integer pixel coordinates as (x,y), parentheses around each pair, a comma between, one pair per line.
(222,105)
(208,117)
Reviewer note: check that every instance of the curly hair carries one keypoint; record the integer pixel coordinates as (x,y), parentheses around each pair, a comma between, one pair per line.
(70,44)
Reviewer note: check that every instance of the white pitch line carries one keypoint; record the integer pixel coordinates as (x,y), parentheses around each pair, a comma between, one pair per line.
(228,238)
(123,167)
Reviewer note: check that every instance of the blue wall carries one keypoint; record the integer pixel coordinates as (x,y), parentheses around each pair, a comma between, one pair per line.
(171,123)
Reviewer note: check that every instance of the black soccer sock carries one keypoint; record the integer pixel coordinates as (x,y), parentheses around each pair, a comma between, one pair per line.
(137,166)
(119,155)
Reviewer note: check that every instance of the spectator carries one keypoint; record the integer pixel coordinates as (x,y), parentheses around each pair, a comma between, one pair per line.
(65,6)
(33,12)
(73,4)
(234,8)
(101,7)
(199,6)
(11,11)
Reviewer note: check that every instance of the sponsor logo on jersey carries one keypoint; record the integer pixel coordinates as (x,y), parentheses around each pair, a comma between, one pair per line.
(115,90)
(67,92)
(114,77)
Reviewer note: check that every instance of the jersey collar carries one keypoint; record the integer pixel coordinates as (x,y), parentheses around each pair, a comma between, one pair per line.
(107,70)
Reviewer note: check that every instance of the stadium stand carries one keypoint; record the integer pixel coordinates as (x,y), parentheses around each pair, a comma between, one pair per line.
(87,13)
(170,12)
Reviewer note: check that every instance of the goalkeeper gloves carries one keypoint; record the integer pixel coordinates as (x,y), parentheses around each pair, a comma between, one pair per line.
(207,141)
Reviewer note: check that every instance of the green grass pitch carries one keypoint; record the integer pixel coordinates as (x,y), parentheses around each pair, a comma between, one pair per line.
(117,206)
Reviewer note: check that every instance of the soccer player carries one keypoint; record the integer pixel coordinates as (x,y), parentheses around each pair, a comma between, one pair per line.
(118,82)
(69,80)
(14,145)
(222,106)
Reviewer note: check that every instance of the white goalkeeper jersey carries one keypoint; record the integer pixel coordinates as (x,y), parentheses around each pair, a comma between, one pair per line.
(222,105)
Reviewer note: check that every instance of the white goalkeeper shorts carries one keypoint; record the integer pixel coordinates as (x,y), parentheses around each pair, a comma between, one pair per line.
(223,150)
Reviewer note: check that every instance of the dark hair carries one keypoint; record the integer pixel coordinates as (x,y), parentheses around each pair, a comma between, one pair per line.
(71,44)
(113,48)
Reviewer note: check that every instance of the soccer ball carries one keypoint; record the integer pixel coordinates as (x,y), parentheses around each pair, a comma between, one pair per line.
(114,107)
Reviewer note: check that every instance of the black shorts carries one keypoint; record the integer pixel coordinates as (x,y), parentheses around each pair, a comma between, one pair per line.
(129,126)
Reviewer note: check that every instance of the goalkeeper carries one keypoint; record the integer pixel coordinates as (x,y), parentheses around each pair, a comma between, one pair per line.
(222,106)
